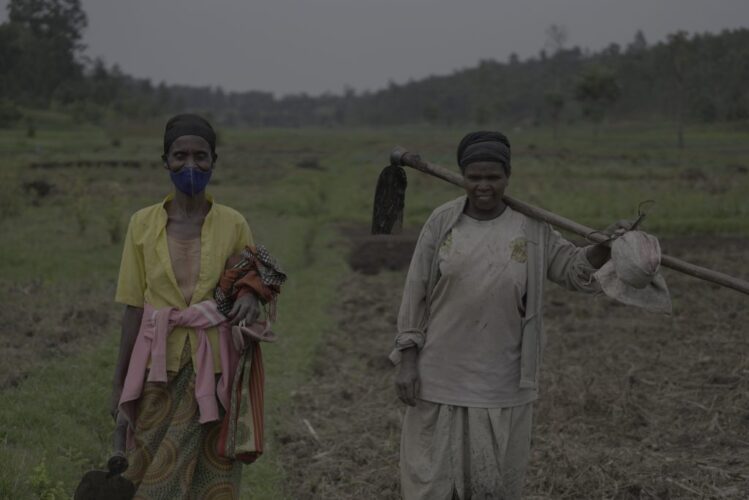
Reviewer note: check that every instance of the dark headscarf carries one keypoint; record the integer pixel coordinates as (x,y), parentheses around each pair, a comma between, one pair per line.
(484,146)
(189,124)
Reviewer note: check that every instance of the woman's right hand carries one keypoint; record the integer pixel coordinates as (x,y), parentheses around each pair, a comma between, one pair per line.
(407,383)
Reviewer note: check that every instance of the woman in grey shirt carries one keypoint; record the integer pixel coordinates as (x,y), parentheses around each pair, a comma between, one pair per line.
(470,333)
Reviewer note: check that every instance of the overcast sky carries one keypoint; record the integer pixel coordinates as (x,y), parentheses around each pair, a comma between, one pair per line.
(315,46)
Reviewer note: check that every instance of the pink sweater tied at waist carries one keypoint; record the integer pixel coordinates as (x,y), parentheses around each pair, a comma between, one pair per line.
(151,344)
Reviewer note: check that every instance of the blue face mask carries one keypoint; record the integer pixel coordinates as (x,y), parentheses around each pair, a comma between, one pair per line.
(191,180)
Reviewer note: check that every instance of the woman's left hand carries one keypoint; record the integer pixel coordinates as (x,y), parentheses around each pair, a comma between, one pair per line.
(247,308)
(619,227)
(600,253)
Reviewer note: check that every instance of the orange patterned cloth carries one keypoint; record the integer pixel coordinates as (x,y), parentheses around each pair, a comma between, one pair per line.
(254,270)
(241,434)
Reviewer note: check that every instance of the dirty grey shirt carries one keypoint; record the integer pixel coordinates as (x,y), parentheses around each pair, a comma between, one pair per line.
(471,356)
(549,256)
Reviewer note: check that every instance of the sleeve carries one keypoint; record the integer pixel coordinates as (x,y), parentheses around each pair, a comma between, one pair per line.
(131,284)
(412,317)
(567,265)
(244,236)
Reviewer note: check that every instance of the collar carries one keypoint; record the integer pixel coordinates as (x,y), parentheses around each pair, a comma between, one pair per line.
(170,197)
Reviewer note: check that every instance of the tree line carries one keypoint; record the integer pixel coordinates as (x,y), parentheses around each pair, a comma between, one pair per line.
(699,77)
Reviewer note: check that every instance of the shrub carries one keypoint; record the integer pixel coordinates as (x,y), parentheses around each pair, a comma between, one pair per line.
(9,114)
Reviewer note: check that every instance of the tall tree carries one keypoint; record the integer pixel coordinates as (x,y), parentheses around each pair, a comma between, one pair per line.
(554,102)
(60,20)
(50,34)
(679,52)
(639,44)
(596,90)
(10,54)
(556,38)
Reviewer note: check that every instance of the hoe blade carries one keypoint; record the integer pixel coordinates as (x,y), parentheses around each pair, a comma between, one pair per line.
(389,200)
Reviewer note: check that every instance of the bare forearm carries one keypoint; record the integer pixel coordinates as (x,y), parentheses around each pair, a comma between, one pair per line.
(407,383)
(409,356)
(130,326)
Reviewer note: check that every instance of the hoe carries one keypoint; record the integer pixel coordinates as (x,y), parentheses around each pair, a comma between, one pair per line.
(390,198)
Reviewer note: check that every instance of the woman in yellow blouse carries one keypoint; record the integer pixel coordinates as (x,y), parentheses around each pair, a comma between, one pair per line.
(173,257)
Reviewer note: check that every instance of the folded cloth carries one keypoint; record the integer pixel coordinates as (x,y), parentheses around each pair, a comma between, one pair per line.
(151,344)
(241,434)
(405,340)
(631,275)
(254,270)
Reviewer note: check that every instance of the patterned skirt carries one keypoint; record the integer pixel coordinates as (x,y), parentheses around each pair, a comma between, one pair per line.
(175,456)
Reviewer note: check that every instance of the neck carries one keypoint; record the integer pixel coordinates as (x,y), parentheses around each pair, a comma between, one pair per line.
(475,213)
(190,206)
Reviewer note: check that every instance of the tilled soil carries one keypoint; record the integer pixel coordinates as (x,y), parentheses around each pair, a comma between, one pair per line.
(41,321)
(632,406)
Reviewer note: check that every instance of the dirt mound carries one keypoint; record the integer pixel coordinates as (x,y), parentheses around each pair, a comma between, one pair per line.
(632,405)
(370,254)
(375,253)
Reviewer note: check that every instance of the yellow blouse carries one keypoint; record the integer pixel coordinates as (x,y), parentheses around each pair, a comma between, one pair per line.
(147,276)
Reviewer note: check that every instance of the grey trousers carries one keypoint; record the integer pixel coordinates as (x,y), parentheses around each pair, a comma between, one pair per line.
(467,453)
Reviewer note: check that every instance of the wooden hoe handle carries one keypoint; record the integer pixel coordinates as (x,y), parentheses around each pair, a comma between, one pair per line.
(402,157)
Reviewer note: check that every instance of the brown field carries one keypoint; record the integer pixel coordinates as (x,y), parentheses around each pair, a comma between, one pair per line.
(633,405)
(40,324)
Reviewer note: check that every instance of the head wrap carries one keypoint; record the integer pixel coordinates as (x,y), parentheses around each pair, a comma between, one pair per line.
(189,124)
(484,146)
(631,275)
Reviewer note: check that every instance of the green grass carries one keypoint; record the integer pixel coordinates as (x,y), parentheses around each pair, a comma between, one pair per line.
(54,426)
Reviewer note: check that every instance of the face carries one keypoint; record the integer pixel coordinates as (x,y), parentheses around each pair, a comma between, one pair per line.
(485,184)
(189,151)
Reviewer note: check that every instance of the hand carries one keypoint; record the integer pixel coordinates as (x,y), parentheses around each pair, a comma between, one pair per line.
(600,253)
(246,308)
(619,227)
(407,384)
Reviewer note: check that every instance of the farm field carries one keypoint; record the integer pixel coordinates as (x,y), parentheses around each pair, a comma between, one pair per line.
(633,405)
